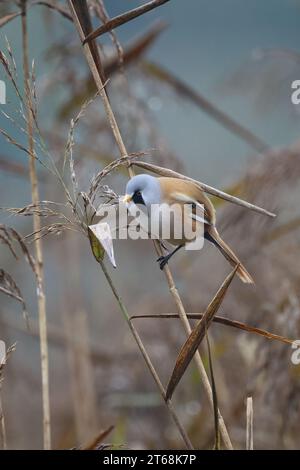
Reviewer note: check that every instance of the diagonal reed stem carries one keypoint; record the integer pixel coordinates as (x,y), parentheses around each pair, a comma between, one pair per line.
(169,277)
(38,244)
(146,357)
(208,189)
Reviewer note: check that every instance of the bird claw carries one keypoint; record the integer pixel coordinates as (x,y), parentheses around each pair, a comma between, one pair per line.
(162,260)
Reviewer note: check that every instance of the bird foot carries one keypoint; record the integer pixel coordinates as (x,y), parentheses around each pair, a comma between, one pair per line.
(162,260)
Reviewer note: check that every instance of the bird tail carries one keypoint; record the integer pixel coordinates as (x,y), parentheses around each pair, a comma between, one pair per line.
(213,236)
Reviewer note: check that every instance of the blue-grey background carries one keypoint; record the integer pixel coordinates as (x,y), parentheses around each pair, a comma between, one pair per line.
(215,46)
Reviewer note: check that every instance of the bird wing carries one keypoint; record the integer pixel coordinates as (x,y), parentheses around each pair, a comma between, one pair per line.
(186,192)
(203,217)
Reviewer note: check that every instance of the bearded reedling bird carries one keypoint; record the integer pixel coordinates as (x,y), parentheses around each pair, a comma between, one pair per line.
(148,190)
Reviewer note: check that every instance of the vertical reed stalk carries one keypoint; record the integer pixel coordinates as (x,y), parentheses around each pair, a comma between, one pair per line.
(249,426)
(38,244)
(2,425)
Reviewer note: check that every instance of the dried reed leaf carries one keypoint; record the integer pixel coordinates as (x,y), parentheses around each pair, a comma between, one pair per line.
(101,242)
(97,441)
(191,345)
(6,19)
(97,249)
(223,321)
(124,18)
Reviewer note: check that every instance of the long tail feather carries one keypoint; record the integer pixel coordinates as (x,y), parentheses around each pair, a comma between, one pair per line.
(213,236)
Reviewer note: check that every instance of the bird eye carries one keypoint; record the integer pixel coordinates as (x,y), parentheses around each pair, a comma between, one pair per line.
(138,198)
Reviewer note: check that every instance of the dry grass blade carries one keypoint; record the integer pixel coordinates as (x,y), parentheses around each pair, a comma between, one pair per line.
(9,287)
(7,236)
(9,70)
(56,7)
(98,440)
(249,429)
(184,90)
(6,19)
(12,141)
(101,233)
(3,361)
(208,189)
(215,396)
(223,321)
(191,345)
(25,251)
(124,18)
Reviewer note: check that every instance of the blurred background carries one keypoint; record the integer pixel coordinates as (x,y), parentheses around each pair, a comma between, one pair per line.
(206,85)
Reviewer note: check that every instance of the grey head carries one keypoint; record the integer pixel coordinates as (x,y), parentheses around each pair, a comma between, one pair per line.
(144,189)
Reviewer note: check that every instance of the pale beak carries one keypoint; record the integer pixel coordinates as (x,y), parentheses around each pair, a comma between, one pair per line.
(127,198)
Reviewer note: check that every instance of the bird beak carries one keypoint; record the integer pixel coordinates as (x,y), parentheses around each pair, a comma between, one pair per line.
(127,198)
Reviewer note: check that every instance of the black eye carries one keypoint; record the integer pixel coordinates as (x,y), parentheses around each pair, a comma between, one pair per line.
(138,198)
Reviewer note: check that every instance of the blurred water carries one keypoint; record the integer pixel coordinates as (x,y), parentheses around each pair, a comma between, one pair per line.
(206,41)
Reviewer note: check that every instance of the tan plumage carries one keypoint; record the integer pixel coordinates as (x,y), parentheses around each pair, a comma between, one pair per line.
(177,191)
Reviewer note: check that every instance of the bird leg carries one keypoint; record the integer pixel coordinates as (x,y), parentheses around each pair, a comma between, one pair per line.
(163,260)
(163,246)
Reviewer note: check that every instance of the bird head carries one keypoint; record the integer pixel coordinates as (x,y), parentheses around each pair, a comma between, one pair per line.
(143,189)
